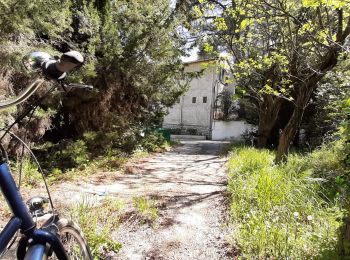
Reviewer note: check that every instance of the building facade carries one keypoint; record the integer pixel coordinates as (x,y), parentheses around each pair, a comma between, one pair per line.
(196,112)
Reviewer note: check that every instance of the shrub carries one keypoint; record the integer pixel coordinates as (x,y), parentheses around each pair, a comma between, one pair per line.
(152,141)
(31,177)
(146,209)
(281,211)
(100,142)
(98,220)
(73,154)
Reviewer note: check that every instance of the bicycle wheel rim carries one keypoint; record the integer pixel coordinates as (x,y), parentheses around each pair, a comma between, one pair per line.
(73,241)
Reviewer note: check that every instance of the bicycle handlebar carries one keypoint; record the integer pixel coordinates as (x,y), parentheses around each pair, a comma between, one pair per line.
(24,95)
(52,69)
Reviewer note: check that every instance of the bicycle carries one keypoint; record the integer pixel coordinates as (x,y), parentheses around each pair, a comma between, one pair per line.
(54,238)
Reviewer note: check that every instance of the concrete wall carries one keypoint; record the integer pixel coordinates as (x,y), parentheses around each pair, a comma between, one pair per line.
(174,116)
(189,115)
(230,130)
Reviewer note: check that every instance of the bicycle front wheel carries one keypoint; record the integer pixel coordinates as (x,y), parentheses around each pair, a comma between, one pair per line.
(73,240)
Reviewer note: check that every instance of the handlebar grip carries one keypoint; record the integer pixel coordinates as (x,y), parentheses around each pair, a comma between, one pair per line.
(69,61)
(56,69)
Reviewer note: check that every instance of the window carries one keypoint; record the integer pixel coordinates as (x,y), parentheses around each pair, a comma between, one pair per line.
(205,99)
(194,100)
(222,75)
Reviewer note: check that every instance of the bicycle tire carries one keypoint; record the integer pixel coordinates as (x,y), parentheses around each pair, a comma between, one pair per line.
(68,231)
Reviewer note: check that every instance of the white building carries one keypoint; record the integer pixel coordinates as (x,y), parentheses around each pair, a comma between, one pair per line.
(197,108)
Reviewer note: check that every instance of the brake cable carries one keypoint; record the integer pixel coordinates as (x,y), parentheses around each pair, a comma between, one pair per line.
(31,110)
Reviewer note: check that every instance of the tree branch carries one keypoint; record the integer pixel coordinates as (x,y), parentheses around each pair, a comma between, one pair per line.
(339,35)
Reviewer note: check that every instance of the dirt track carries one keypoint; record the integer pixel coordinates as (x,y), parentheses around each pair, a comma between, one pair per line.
(188,183)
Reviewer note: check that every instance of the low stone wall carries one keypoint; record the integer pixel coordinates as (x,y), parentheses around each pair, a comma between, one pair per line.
(230,130)
(188,137)
(187,129)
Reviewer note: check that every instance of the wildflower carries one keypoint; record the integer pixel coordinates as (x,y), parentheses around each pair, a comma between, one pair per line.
(275,219)
(296,214)
(309,218)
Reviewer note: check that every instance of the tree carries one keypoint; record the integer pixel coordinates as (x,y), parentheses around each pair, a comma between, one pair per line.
(136,52)
(325,113)
(331,25)
(133,57)
(278,51)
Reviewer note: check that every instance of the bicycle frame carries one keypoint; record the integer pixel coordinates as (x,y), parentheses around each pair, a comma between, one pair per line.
(33,243)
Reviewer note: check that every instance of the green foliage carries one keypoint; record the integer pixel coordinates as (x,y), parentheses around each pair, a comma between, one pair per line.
(347,123)
(277,52)
(346,131)
(325,113)
(34,17)
(330,3)
(99,142)
(146,209)
(135,50)
(113,142)
(31,176)
(73,154)
(293,210)
(96,151)
(98,221)
(70,158)
(152,141)
(227,105)
(133,57)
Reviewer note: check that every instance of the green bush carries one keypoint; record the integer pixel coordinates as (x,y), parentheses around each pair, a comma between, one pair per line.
(152,141)
(283,211)
(71,154)
(95,151)
(98,221)
(31,177)
(100,142)
(346,131)
(146,209)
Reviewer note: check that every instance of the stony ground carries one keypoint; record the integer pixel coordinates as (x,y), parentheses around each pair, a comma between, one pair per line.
(188,184)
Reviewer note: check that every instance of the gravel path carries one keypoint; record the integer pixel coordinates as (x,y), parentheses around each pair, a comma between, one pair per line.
(188,183)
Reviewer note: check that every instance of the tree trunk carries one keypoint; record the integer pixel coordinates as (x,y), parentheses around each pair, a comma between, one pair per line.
(290,130)
(268,113)
(303,95)
(288,133)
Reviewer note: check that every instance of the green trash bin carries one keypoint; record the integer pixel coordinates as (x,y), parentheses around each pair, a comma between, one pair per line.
(165,133)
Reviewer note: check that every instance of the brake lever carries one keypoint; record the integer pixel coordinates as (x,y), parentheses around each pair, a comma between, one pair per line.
(78,86)
(81,86)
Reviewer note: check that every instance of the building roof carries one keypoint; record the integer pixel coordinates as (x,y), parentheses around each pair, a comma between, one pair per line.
(199,61)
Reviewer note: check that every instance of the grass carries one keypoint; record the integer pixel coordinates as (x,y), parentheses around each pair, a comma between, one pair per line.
(293,210)
(70,159)
(101,164)
(146,209)
(98,220)
(31,177)
(111,160)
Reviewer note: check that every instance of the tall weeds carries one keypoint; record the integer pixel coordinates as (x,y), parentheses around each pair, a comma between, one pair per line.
(293,210)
